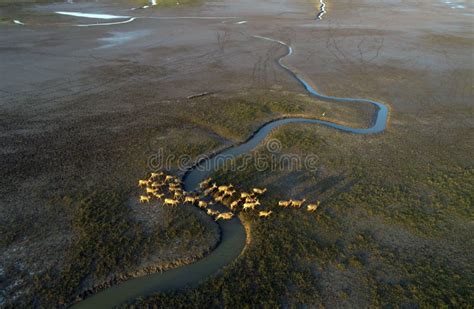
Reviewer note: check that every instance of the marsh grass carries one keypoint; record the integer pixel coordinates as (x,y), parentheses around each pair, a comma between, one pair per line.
(237,117)
(85,201)
(89,170)
(374,201)
(392,230)
(109,243)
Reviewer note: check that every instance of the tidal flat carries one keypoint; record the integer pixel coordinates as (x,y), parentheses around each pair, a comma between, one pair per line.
(83,109)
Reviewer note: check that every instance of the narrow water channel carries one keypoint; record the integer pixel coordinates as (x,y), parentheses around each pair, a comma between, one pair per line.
(233,236)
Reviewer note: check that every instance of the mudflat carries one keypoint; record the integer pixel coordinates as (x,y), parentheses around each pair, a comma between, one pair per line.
(86,101)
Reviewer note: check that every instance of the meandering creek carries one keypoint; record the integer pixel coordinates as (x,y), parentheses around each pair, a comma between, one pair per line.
(233,236)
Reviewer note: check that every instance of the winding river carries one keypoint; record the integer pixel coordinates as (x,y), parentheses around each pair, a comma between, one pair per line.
(233,236)
(204,168)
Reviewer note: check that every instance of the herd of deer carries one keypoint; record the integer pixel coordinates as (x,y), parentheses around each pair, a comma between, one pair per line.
(168,189)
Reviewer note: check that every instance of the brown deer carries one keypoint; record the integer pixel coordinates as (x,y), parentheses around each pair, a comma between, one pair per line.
(219,198)
(144,199)
(229,193)
(171,202)
(210,189)
(159,195)
(202,204)
(313,207)
(143,183)
(298,204)
(205,183)
(190,199)
(259,191)
(234,204)
(251,199)
(169,178)
(251,205)
(212,212)
(265,214)
(224,216)
(150,190)
(156,175)
(245,195)
(157,184)
(178,194)
(285,203)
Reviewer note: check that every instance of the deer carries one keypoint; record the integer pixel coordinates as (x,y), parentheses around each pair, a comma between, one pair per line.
(202,204)
(190,199)
(224,216)
(313,207)
(210,189)
(234,204)
(212,212)
(144,199)
(150,190)
(248,206)
(169,178)
(251,199)
(265,214)
(158,195)
(259,191)
(174,188)
(157,184)
(229,193)
(171,202)
(251,205)
(223,188)
(156,175)
(219,198)
(298,204)
(285,203)
(178,194)
(245,195)
(143,183)
(205,183)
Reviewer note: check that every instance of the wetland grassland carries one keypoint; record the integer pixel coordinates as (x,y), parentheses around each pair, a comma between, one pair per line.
(84,111)
(96,232)
(393,227)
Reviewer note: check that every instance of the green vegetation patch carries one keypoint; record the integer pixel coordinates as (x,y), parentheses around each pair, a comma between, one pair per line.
(237,117)
(110,242)
(393,229)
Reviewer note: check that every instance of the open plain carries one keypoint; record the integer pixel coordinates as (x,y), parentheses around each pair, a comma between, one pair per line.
(87,101)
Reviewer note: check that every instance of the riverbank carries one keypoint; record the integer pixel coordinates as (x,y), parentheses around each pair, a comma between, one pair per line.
(228,250)
(161,261)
